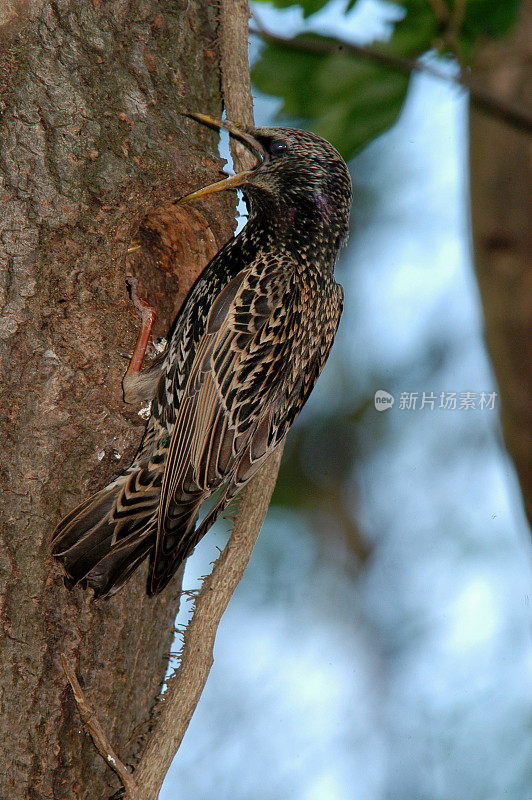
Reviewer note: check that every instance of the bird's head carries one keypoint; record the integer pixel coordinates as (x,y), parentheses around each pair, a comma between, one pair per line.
(300,181)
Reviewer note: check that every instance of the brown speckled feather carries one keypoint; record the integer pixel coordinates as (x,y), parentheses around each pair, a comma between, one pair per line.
(245,381)
(243,357)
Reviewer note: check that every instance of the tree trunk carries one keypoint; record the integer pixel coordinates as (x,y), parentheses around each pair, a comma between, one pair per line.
(93,149)
(500,159)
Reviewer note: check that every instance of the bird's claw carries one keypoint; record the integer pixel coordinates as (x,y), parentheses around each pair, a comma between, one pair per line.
(147,316)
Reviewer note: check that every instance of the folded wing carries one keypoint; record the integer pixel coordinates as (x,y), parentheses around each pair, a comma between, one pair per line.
(225,427)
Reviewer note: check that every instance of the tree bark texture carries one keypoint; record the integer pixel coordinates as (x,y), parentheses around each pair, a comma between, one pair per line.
(500,159)
(92,151)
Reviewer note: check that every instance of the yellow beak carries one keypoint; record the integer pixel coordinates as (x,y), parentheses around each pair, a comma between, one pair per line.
(234,181)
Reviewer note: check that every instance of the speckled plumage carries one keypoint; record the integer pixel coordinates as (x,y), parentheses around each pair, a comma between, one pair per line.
(243,356)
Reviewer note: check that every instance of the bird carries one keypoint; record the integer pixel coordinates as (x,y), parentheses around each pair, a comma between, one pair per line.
(242,358)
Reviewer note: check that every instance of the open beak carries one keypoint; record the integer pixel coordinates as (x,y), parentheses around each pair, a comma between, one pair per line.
(235,180)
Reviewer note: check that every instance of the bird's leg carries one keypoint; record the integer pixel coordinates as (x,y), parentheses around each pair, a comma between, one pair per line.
(147,316)
(139,386)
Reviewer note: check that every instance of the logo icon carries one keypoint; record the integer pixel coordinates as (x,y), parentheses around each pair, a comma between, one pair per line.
(383,400)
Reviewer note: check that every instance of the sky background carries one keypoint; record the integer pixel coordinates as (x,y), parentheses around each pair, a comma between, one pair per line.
(409,677)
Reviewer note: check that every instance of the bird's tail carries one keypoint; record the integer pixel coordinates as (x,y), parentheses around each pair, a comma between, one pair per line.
(102,541)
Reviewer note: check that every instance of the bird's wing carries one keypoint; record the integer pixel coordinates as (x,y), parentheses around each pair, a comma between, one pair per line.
(234,389)
(279,397)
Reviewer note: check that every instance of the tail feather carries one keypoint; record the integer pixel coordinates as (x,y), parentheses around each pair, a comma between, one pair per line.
(181,539)
(110,574)
(102,541)
(84,521)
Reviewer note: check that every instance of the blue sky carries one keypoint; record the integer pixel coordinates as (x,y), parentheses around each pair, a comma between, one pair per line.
(410,679)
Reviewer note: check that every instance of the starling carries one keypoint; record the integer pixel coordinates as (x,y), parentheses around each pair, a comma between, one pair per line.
(243,356)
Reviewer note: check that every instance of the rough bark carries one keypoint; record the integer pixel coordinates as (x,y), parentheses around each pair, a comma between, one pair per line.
(92,149)
(500,159)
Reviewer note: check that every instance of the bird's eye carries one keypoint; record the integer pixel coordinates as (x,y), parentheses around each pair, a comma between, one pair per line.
(276,148)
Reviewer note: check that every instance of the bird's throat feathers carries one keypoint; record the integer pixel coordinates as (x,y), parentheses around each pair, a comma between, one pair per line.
(308,226)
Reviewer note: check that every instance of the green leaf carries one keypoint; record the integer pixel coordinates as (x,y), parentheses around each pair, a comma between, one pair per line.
(348,100)
(415,33)
(483,19)
(283,73)
(486,19)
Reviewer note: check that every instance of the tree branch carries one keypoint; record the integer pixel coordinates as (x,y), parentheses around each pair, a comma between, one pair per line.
(236,81)
(516,116)
(185,687)
(101,742)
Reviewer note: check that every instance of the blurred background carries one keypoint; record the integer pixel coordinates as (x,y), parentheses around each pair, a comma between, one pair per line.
(378,647)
